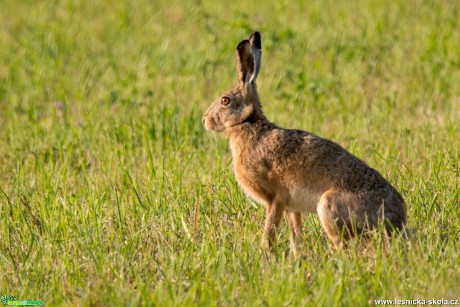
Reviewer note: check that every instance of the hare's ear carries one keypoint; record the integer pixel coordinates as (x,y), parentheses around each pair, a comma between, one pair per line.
(256,44)
(248,59)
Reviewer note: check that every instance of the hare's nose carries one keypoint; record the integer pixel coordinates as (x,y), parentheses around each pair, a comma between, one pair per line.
(202,120)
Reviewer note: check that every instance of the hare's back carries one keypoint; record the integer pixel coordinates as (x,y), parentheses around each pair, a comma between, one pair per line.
(298,153)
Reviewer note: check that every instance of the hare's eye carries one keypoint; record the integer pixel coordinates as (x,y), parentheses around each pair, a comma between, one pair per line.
(225,101)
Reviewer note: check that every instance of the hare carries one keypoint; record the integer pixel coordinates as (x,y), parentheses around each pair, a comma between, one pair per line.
(295,171)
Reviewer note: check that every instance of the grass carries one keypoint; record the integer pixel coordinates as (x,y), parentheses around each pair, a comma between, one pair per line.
(112,193)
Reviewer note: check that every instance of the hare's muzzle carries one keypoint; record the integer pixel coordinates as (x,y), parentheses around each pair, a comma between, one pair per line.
(203,120)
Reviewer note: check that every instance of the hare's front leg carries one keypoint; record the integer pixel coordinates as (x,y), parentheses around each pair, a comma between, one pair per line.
(295,223)
(274,213)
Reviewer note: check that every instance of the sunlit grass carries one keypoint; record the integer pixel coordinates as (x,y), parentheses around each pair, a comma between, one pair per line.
(112,193)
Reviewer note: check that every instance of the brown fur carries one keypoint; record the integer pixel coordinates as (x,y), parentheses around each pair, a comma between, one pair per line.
(294,171)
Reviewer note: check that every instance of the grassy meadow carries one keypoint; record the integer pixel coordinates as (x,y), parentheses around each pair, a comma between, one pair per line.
(113,194)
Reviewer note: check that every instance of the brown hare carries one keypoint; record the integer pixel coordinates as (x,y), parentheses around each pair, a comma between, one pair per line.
(294,171)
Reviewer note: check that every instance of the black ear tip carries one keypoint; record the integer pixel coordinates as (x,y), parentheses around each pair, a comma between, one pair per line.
(241,44)
(256,40)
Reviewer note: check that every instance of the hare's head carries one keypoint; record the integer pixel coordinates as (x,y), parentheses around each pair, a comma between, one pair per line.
(241,103)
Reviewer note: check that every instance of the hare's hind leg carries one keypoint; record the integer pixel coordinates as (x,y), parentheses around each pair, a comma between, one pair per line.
(330,215)
(343,215)
(296,238)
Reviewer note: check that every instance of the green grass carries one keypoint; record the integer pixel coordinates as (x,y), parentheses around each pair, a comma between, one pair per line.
(112,193)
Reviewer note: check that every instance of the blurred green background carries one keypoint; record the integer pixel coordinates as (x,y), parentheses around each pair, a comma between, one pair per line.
(111,191)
